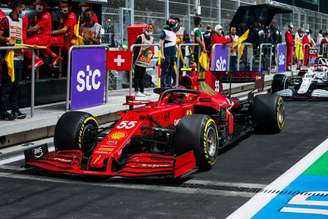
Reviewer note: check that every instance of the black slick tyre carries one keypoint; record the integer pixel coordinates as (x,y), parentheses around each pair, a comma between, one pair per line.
(200,134)
(268,113)
(279,82)
(76,131)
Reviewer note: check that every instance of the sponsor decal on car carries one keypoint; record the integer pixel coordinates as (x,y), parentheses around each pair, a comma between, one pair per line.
(106,149)
(117,135)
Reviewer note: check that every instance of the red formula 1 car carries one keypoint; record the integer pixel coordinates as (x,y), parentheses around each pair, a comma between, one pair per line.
(180,133)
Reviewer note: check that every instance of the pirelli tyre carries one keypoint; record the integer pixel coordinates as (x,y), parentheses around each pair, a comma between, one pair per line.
(268,113)
(200,134)
(76,130)
(279,82)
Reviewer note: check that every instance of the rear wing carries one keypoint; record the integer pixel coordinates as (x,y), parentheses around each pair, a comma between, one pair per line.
(241,77)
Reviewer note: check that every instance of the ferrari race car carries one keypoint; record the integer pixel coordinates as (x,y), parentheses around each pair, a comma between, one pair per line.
(180,133)
(309,83)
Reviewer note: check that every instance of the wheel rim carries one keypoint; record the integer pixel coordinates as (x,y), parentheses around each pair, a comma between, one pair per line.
(280,113)
(211,141)
(89,138)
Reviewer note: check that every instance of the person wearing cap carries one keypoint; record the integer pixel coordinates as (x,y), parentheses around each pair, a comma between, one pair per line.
(307,43)
(168,40)
(289,43)
(11,33)
(218,36)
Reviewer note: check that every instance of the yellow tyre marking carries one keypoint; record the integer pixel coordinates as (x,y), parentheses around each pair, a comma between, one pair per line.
(82,129)
(205,149)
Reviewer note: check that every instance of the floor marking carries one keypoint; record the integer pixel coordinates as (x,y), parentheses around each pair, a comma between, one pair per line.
(304,211)
(11,159)
(255,204)
(230,184)
(172,189)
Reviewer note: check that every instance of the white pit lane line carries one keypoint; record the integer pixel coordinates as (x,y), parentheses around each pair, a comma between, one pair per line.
(108,184)
(260,200)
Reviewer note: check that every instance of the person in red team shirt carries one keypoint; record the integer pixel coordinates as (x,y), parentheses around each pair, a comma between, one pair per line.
(40,33)
(289,42)
(218,36)
(87,6)
(307,43)
(63,36)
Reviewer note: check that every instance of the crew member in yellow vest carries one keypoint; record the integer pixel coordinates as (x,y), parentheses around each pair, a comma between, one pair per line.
(11,33)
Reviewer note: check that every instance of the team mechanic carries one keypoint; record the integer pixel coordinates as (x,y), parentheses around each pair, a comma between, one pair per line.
(40,33)
(168,39)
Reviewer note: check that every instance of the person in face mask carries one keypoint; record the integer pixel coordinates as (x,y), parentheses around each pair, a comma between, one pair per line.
(168,51)
(64,35)
(40,33)
(11,33)
(218,36)
(139,68)
(91,31)
(87,6)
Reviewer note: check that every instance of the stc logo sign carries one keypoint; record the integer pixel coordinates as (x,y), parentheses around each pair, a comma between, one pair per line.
(88,77)
(221,64)
(88,80)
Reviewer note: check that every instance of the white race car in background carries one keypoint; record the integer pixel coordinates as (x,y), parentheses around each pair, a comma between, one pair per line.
(309,83)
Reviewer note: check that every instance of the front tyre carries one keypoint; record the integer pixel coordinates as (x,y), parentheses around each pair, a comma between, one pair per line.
(268,113)
(76,131)
(200,134)
(279,82)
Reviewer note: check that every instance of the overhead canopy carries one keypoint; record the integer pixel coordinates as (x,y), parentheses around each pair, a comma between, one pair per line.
(93,1)
(86,1)
(248,16)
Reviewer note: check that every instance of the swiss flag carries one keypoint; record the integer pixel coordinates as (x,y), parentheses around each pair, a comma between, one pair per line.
(119,60)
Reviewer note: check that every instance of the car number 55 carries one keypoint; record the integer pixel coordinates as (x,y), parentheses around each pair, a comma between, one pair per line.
(126,124)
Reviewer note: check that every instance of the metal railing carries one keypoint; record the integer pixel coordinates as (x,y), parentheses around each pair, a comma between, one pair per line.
(264,46)
(32,72)
(249,60)
(159,57)
(68,81)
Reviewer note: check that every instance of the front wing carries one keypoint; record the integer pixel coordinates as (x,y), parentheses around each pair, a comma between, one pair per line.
(136,165)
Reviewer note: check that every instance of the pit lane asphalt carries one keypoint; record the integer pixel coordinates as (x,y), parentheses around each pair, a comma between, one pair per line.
(257,160)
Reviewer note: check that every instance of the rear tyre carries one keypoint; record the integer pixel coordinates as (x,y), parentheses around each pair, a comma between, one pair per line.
(200,134)
(269,113)
(76,130)
(279,82)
